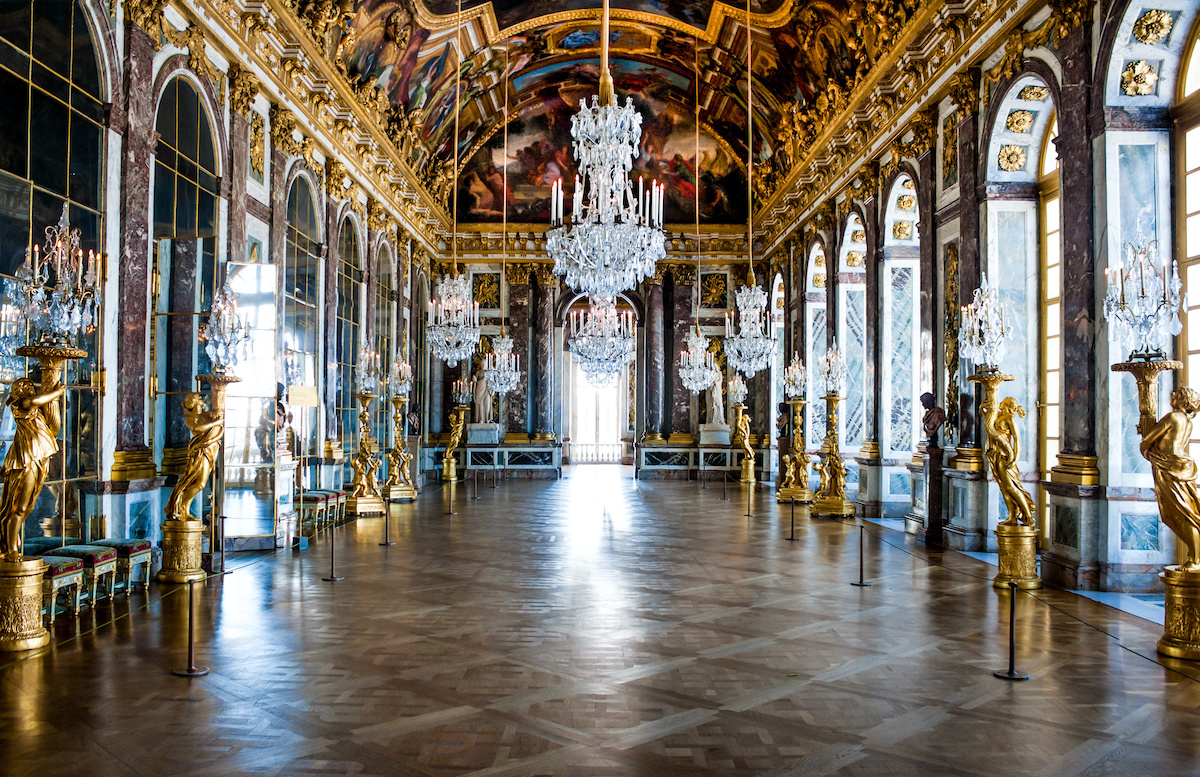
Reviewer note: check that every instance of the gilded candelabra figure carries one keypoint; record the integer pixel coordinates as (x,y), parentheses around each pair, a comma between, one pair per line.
(35,440)
(799,458)
(399,485)
(365,498)
(207,428)
(743,439)
(831,495)
(458,421)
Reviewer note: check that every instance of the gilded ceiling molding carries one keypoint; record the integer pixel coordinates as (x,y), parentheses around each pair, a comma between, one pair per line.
(192,39)
(147,14)
(964,90)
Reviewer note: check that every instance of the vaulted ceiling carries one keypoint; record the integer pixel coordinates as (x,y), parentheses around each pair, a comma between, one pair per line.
(544,56)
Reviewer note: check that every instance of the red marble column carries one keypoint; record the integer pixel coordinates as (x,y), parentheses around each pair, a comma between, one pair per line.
(684,278)
(517,400)
(543,352)
(655,358)
(968,250)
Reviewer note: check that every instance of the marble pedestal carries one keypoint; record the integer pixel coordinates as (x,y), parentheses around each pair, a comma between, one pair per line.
(181,552)
(21,605)
(714,434)
(1181,626)
(483,434)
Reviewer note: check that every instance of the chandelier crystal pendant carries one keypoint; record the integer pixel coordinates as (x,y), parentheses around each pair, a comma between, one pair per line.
(832,370)
(986,327)
(1143,302)
(227,335)
(614,238)
(58,289)
(367,372)
(400,378)
(602,340)
(697,367)
(737,389)
(452,321)
(502,367)
(795,377)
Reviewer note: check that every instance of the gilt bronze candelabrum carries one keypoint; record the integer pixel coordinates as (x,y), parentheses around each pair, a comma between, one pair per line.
(458,421)
(365,497)
(795,465)
(399,485)
(831,494)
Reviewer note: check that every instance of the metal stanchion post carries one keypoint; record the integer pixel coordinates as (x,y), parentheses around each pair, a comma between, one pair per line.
(333,575)
(861,582)
(793,537)
(476,485)
(1012,673)
(749,493)
(450,500)
(191,670)
(387,523)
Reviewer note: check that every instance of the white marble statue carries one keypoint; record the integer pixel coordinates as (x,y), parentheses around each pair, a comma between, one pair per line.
(483,398)
(716,401)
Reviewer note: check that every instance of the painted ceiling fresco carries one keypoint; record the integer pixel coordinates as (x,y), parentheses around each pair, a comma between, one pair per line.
(802,51)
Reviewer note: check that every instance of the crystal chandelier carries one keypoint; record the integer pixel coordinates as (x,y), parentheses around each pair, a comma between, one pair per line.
(697,368)
(831,368)
(57,290)
(795,377)
(400,378)
(1143,302)
(452,327)
(614,238)
(227,334)
(461,392)
(985,327)
(367,372)
(750,350)
(602,340)
(737,389)
(502,367)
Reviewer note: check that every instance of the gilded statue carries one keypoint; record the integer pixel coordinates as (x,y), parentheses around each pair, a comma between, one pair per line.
(458,420)
(34,442)
(743,426)
(207,427)
(364,462)
(1003,450)
(789,472)
(1165,447)
(800,462)
(833,478)
(398,460)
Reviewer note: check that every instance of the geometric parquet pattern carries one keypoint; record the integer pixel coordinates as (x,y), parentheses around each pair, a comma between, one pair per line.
(600,626)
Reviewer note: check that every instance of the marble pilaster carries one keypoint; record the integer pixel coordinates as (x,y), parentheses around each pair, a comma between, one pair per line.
(655,358)
(684,278)
(968,255)
(517,400)
(329,316)
(239,151)
(931,532)
(543,351)
(869,501)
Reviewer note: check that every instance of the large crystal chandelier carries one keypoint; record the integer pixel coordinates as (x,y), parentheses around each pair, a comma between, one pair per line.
(602,340)
(226,335)
(57,291)
(985,327)
(502,367)
(452,327)
(614,238)
(1143,302)
(753,345)
(368,372)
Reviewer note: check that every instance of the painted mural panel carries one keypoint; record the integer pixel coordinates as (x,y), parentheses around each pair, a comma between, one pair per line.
(510,12)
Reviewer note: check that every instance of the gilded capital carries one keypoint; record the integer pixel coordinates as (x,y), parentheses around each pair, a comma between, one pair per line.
(544,274)
(683,274)
(964,91)
(243,86)
(517,273)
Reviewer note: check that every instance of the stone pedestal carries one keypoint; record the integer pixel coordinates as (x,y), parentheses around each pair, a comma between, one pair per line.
(1181,626)
(21,605)
(1017,545)
(181,551)
(714,434)
(483,434)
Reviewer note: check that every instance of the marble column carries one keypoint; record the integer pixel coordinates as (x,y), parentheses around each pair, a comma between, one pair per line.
(684,279)
(1076,514)
(133,458)
(931,530)
(869,501)
(655,358)
(329,314)
(543,351)
(517,400)
(239,152)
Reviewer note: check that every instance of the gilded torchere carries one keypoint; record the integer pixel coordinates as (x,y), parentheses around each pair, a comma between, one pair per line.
(796,464)
(399,485)
(37,417)
(458,420)
(365,498)
(183,532)
(743,439)
(831,495)
(1016,535)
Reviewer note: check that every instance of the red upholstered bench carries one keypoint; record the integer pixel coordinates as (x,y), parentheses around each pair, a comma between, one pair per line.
(63,573)
(131,553)
(98,563)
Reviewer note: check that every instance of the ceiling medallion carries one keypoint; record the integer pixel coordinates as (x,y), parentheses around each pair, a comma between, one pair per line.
(1020,122)
(1138,79)
(1012,158)
(902,230)
(1153,27)
(1034,94)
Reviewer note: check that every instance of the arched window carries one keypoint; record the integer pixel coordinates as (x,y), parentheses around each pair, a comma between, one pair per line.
(301,301)
(815,341)
(349,334)
(1187,134)
(1050,386)
(51,155)
(852,340)
(899,285)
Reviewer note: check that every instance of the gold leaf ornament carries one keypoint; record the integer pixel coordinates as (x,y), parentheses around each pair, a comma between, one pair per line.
(1153,27)
(1020,122)
(1138,79)
(1012,158)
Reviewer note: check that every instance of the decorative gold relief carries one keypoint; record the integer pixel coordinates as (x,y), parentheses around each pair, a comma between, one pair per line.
(964,91)
(1138,79)
(485,289)
(283,124)
(1019,121)
(258,144)
(148,15)
(819,259)
(907,202)
(858,236)
(1153,27)
(950,325)
(819,280)
(1011,158)
(902,230)
(854,258)
(950,150)
(1034,94)
(243,87)
(908,184)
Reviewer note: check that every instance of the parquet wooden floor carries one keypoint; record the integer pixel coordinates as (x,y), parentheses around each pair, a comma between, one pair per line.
(599,626)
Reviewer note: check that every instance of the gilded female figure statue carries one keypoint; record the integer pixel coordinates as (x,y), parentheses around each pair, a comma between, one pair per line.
(28,459)
(457,422)
(744,434)
(207,428)
(1165,447)
(1003,450)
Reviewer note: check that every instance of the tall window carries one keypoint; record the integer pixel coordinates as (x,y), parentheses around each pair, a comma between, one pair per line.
(51,154)
(815,342)
(349,333)
(1187,128)
(852,340)
(1051,385)
(385,328)
(301,289)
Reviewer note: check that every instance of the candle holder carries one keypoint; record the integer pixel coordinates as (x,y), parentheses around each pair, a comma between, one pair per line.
(1143,303)
(795,465)
(365,497)
(831,492)
(399,485)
